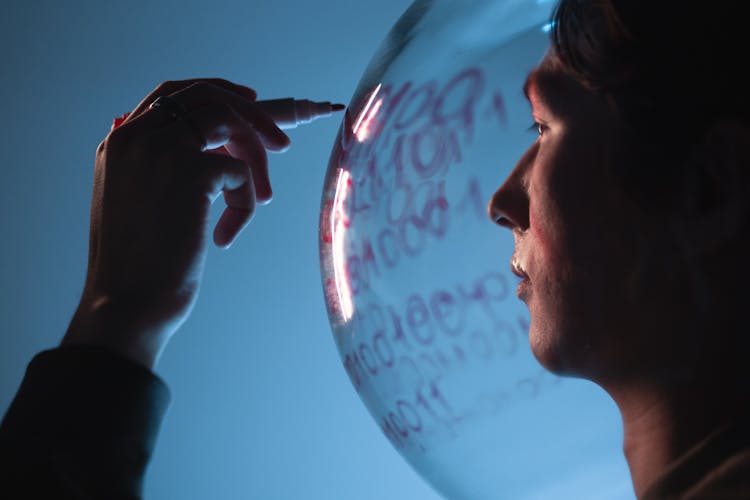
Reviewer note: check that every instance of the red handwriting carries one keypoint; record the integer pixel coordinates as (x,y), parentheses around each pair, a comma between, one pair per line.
(406,189)
(417,134)
(413,421)
(414,217)
(428,322)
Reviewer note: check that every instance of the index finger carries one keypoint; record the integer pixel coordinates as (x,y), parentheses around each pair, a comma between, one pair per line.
(204,94)
(172,86)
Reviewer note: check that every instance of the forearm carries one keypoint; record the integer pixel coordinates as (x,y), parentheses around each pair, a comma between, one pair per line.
(84,420)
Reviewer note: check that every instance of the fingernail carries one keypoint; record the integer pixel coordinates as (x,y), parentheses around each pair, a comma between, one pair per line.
(118,121)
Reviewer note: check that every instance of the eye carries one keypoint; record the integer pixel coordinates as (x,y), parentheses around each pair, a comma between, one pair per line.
(537,127)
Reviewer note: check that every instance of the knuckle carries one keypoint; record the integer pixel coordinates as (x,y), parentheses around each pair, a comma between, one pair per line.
(222,81)
(166,87)
(114,140)
(199,86)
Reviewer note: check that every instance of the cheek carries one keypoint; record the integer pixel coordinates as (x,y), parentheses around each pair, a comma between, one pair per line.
(557,188)
(545,258)
(548,232)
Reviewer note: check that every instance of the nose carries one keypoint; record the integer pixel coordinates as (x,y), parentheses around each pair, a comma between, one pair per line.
(509,206)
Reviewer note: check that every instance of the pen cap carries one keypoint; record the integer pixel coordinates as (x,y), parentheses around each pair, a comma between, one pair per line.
(289,112)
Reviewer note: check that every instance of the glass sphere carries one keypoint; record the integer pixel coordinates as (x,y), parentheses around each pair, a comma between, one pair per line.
(416,276)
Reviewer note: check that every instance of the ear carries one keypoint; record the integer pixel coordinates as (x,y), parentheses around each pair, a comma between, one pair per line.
(714,199)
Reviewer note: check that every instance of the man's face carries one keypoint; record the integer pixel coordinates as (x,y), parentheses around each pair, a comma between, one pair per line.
(579,240)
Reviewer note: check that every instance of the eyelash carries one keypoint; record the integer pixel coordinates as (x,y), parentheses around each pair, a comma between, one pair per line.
(537,127)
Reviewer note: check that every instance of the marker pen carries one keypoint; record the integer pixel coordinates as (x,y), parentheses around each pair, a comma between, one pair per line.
(286,113)
(289,112)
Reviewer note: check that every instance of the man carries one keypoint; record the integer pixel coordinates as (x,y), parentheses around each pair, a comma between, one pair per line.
(630,215)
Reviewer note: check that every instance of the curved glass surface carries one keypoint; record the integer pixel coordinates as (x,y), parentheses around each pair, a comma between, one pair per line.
(416,277)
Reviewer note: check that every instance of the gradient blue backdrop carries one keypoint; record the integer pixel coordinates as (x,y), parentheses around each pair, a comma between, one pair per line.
(261,405)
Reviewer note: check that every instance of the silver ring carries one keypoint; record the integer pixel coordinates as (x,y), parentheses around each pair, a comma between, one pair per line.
(178,112)
(168,104)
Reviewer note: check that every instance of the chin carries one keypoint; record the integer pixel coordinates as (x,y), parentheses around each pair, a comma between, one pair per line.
(549,357)
(546,349)
(559,353)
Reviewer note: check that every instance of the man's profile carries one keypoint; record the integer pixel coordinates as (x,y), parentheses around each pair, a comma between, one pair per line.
(630,217)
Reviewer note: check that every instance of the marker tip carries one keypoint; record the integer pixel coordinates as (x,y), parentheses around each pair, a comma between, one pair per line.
(338,107)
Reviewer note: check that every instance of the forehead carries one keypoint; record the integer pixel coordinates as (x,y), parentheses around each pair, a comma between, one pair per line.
(531,87)
(550,86)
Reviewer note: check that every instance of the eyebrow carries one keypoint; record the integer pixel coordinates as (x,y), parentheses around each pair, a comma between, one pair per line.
(551,88)
(527,84)
(536,79)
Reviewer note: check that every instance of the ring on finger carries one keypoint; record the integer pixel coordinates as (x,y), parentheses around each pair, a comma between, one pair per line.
(169,105)
(179,112)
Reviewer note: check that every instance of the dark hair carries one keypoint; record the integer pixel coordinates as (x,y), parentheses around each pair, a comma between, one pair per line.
(672,69)
(688,55)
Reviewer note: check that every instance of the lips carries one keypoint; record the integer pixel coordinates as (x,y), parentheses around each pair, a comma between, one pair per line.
(517,269)
(524,287)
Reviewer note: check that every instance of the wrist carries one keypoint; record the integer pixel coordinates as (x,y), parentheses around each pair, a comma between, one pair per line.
(102,323)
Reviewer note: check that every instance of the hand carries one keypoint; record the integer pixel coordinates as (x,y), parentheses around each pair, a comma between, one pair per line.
(154,182)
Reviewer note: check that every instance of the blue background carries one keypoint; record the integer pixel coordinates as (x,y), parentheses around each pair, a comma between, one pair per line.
(261,405)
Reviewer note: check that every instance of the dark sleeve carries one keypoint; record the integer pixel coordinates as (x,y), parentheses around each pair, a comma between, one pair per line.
(82,425)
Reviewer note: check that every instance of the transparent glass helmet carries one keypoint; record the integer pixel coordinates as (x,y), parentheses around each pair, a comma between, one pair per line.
(417,281)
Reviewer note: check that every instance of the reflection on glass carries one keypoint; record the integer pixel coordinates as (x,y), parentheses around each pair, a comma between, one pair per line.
(417,281)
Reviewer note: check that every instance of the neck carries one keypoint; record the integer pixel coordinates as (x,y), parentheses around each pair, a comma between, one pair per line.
(663,423)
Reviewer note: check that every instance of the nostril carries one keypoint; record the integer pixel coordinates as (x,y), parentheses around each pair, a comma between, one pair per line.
(504,216)
(496,215)
(503,221)
(493,213)
(509,207)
